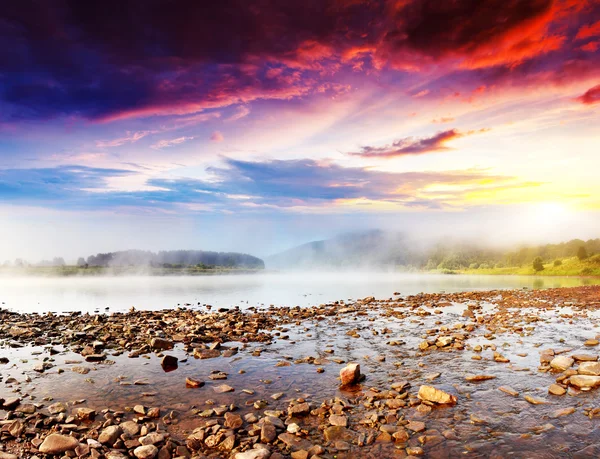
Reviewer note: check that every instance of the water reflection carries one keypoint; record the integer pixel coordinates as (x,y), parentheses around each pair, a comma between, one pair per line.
(281,289)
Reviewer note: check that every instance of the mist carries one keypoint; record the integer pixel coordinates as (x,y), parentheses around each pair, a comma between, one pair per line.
(45,235)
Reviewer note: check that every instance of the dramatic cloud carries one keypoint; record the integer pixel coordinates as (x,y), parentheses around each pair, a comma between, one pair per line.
(415,145)
(591,96)
(120,59)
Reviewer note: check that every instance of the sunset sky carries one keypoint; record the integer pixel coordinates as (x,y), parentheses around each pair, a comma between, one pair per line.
(256,125)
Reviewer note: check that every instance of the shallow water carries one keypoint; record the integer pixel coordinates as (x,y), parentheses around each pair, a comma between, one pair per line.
(89,294)
(486,423)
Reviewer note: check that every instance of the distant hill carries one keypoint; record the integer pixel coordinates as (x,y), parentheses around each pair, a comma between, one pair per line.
(174,258)
(370,249)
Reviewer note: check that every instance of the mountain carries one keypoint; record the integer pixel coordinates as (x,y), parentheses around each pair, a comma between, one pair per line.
(370,249)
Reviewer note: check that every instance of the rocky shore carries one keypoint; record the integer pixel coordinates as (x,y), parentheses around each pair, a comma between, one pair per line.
(480,374)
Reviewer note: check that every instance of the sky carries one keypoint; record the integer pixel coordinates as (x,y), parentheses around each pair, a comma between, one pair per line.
(256,125)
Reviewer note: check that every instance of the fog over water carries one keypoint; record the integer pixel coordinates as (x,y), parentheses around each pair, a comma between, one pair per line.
(90,294)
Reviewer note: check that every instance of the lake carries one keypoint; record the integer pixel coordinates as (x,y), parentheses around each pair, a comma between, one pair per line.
(90,294)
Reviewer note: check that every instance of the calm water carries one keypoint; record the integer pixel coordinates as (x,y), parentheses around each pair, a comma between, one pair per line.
(120,293)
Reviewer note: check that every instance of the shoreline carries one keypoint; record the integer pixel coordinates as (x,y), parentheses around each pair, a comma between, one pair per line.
(264,382)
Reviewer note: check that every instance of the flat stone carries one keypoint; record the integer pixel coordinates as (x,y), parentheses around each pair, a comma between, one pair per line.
(476,378)
(335,433)
(535,400)
(555,389)
(431,394)
(585,382)
(222,388)
(206,353)
(589,368)
(254,454)
(338,420)
(161,344)
(508,390)
(56,443)
(562,362)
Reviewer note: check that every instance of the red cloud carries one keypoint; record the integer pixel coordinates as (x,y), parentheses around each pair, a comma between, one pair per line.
(591,96)
(415,145)
(588,31)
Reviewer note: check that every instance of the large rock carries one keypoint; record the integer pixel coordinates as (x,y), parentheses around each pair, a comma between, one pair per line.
(589,368)
(585,382)
(433,395)
(350,374)
(55,444)
(562,362)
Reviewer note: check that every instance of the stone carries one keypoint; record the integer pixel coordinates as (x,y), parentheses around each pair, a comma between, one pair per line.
(86,414)
(193,384)
(401,435)
(161,344)
(509,391)
(301,409)
(476,378)
(169,363)
(535,400)
(56,443)
(146,452)
(431,394)
(57,408)
(338,420)
(335,433)
(293,442)
(585,382)
(562,362)
(268,433)
(4,455)
(416,426)
(222,388)
(130,428)
(152,439)
(591,342)
(254,454)
(350,374)
(206,353)
(110,435)
(233,421)
(555,389)
(589,368)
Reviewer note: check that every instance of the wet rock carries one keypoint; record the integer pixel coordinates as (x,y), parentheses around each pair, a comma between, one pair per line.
(585,382)
(222,388)
(56,443)
(350,374)
(193,383)
(335,433)
(589,368)
(535,400)
(206,353)
(57,408)
(416,426)
(562,362)
(152,439)
(431,394)
(591,342)
(476,378)
(508,390)
(146,452)
(169,363)
(160,344)
(555,389)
